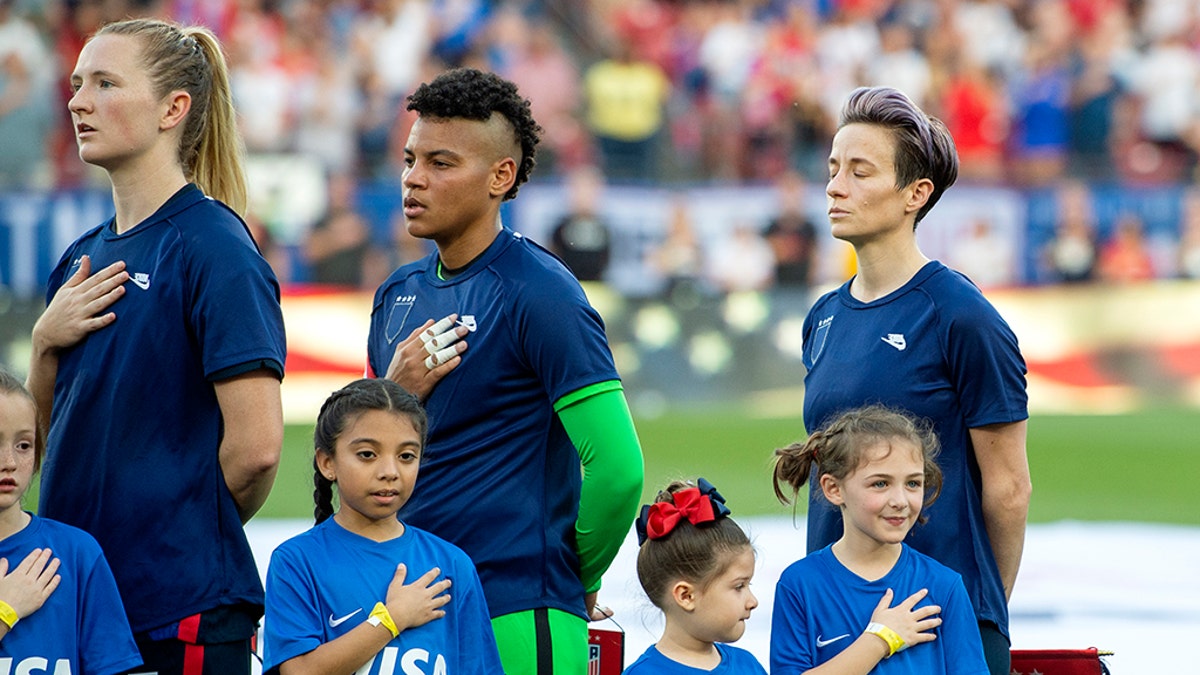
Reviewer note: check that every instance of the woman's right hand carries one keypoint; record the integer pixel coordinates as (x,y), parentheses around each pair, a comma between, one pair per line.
(80,306)
(417,603)
(912,625)
(27,587)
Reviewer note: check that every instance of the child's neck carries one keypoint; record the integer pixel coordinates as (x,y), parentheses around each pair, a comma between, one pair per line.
(866,557)
(13,520)
(679,646)
(384,529)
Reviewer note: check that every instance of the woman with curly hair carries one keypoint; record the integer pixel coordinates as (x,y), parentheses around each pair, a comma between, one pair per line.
(533,466)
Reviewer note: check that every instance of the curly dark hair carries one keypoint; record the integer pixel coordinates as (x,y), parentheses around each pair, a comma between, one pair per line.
(474,94)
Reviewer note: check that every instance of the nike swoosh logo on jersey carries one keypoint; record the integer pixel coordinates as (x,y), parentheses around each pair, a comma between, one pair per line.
(141,280)
(825,643)
(896,340)
(334,623)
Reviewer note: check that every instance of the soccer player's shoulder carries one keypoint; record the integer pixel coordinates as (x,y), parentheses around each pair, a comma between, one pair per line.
(398,277)
(957,298)
(538,262)
(208,226)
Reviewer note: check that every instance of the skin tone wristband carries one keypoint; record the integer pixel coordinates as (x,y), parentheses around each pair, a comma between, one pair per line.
(894,642)
(381,617)
(8,615)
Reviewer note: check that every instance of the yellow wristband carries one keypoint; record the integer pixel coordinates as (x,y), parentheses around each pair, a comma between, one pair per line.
(8,615)
(894,642)
(381,617)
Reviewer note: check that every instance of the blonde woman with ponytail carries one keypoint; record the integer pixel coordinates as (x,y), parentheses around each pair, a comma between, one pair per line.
(156,365)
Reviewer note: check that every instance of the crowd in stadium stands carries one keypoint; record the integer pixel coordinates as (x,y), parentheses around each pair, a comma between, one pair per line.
(668,91)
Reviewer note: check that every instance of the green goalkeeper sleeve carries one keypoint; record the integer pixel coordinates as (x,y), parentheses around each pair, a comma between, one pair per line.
(598,422)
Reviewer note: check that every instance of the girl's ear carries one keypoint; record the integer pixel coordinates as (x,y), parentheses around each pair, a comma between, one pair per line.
(832,489)
(684,595)
(325,465)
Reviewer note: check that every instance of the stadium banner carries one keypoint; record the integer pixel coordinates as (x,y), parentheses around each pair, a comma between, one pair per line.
(997,236)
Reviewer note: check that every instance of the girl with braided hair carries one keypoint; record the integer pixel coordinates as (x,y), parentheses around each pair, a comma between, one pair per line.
(833,609)
(337,597)
(695,564)
(165,426)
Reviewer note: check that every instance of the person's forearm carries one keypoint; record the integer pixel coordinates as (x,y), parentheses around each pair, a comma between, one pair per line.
(249,455)
(1005,510)
(249,475)
(344,654)
(859,658)
(1004,474)
(43,370)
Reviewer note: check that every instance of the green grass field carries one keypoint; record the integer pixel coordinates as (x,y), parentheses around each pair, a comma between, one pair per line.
(1135,467)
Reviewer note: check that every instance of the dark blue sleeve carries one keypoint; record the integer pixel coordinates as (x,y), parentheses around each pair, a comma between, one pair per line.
(986,367)
(563,337)
(59,274)
(234,308)
(376,342)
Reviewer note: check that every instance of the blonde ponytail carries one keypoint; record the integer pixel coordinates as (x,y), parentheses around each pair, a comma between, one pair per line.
(218,157)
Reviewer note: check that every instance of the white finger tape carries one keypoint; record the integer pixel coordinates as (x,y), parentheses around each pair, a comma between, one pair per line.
(436,329)
(444,340)
(434,360)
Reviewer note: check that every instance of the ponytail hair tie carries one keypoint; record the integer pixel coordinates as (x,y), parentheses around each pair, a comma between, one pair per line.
(701,505)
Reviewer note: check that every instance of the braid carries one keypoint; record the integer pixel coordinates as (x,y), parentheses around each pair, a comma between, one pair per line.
(322,495)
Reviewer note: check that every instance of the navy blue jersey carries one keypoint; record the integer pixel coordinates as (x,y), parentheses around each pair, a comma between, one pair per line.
(821,608)
(81,628)
(324,583)
(734,661)
(132,453)
(938,349)
(500,478)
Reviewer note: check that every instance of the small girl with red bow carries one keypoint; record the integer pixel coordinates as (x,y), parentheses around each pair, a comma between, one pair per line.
(695,563)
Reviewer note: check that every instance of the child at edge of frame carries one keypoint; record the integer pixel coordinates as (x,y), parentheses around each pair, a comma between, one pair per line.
(59,606)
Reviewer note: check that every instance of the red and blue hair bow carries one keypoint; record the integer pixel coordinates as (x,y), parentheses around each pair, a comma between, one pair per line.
(700,505)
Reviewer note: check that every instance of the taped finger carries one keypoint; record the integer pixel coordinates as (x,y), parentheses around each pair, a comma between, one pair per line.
(441,356)
(444,340)
(437,329)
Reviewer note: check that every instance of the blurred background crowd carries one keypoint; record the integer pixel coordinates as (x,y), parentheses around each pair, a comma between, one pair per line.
(1055,99)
